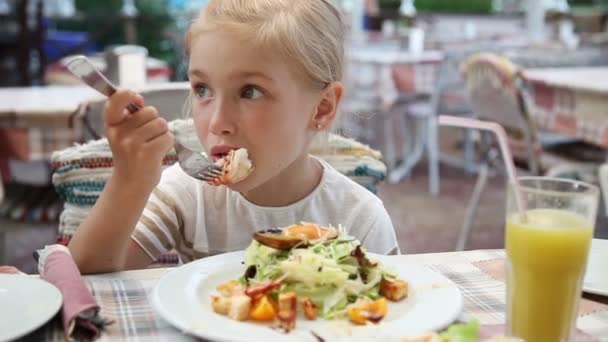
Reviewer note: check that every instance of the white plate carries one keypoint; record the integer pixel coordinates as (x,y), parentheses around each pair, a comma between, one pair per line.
(182,297)
(596,277)
(26,303)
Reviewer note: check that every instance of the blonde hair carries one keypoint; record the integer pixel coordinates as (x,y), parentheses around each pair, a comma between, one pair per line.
(308,34)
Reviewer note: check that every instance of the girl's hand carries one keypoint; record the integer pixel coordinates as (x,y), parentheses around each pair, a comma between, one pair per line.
(139,141)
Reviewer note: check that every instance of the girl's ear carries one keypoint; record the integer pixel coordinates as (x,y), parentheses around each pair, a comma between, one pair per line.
(328,106)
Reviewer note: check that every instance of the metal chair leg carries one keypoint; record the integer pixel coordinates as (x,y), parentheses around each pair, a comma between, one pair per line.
(411,158)
(472,207)
(432,144)
(469,152)
(408,134)
(389,142)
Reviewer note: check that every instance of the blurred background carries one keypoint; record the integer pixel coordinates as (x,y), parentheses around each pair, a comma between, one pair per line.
(540,68)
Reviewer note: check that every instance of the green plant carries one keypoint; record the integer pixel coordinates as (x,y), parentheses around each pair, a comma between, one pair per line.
(603,4)
(581,2)
(454,6)
(389,4)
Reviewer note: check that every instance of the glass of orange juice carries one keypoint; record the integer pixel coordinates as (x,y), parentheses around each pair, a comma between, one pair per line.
(546,256)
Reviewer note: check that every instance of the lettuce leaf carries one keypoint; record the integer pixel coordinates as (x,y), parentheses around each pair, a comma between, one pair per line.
(463,332)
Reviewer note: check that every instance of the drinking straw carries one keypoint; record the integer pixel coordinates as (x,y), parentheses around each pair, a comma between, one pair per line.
(501,136)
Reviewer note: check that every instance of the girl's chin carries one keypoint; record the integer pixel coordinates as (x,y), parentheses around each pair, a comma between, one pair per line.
(245,185)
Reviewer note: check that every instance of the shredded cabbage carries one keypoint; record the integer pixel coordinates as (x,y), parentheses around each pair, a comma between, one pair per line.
(327,272)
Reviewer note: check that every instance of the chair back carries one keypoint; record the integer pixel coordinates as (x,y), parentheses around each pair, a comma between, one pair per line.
(443,82)
(448,95)
(493,92)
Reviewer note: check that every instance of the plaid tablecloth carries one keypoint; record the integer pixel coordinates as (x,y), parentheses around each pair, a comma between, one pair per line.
(376,75)
(35,121)
(124,298)
(571,101)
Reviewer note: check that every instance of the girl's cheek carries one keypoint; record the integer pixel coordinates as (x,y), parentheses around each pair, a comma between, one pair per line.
(201,127)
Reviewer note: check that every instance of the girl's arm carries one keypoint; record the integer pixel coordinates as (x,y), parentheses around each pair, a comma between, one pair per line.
(139,142)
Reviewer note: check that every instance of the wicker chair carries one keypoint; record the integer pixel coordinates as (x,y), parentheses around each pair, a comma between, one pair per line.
(492,87)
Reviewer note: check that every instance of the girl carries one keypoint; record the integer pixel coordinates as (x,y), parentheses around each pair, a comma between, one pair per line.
(265,76)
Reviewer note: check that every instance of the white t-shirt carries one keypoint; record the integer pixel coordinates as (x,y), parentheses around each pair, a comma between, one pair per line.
(198,220)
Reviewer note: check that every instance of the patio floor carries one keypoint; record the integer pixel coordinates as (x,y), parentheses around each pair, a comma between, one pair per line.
(426,223)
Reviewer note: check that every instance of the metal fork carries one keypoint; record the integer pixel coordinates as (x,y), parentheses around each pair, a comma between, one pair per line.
(192,162)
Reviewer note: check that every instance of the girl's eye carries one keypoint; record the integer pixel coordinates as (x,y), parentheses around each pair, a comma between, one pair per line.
(251,92)
(201,91)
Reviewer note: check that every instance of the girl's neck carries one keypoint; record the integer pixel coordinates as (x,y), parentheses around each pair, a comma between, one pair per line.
(294,183)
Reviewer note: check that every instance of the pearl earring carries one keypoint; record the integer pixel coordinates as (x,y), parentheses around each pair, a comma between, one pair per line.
(319,126)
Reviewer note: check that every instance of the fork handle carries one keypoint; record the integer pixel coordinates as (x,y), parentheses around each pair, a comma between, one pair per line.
(132,107)
(111,89)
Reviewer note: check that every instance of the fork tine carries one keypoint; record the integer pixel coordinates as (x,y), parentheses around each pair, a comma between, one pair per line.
(209,175)
(216,171)
(217,168)
(206,178)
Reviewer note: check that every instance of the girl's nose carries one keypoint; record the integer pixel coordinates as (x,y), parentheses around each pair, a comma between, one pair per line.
(221,121)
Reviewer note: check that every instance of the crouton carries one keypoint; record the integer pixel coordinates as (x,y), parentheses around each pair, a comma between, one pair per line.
(227,289)
(288,301)
(239,307)
(394,290)
(286,319)
(220,304)
(310,309)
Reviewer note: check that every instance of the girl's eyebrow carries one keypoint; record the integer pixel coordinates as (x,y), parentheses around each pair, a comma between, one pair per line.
(196,72)
(236,75)
(249,74)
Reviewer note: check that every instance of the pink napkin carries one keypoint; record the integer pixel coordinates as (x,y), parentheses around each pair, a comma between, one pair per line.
(80,312)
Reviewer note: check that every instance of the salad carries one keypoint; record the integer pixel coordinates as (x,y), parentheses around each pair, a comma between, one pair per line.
(318,271)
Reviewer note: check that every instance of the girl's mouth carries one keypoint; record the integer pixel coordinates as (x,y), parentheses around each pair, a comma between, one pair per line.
(220,151)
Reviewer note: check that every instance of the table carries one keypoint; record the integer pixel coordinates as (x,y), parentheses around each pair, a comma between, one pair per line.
(124,298)
(570,101)
(51,106)
(36,121)
(373,66)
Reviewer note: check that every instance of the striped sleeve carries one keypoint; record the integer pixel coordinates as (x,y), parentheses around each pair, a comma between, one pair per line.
(158,229)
